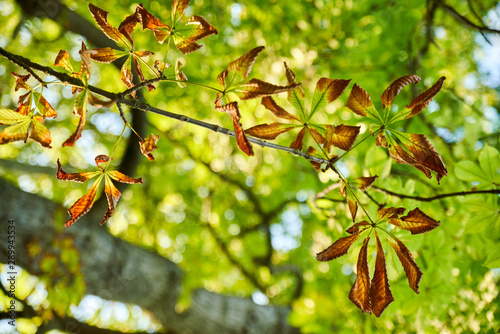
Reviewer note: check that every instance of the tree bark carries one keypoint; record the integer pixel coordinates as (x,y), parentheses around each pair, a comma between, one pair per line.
(116,270)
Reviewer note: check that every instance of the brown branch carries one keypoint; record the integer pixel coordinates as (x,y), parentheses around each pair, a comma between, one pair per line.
(433,198)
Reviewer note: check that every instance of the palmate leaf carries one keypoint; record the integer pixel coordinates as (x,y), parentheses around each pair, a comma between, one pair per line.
(25,101)
(395,87)
(338,248)
(380,291)
(416,222)
(327,90)
(360,291)
(195,29)
(241,139)
(23,127)
(83,205)
(412,271)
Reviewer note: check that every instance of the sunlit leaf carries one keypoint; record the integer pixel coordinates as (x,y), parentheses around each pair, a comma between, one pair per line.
(341,136)
(79,109)
(364,182)
(395,87)
(312,151)
(43,106)
(101,18)
(422,101)
(148,20)
(21,81)
(413,272)
(416,222)
(257,88)
(318,137)
(23,127)
(148,145)
(16,132)
(8,116)
(360,292)
(83,205)
(338,248)
(112,196)
(98,102)
(298,143)
(352,202)
(239,69)
(399,155)
(269,131)
(489,160)
(354,229)
(180,76)
(380,139)
(40,133)
(62,59)
(278,111)
(106,55)
(120,177)
(127,26)
(327,91)
(360,103)
(380,292)
(196,29)
(493,260)
(241,139)
(126,75)
(178,8)
(75,177)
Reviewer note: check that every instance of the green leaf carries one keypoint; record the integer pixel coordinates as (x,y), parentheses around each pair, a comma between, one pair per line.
(470,171)
(489,160)
(493,260)
(327,90)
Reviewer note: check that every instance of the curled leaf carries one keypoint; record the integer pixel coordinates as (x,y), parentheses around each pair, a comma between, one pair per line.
(341,136)
(380,140)
(380,291)
(62,59)
(196,29)
(413,272)
(112,196)
(101,18)
(426,154)
(239,69)
(422,101)
(178,8)
(354,229)
(298,143)
(75,177)
(416,222)
(312,151)
(241,139)
(180,76)
(399,155)
(84,204)
(395,87)
(390,213)
(360,291)
(148,145)
(338,248)
(148,20)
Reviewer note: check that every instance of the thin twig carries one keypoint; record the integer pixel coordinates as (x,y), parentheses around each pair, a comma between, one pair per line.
(433,198)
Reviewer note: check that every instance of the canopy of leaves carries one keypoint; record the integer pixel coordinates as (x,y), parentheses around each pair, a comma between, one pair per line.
(253,225)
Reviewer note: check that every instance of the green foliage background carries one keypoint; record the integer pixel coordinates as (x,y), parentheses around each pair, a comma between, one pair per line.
(201,191)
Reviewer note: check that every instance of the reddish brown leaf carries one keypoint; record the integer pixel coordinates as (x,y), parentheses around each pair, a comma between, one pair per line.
(341,136)
(360,292)
(312,151)
(120,177)
(21,81)
(402,157)
(79,109)
(239,69)
(327,90)
(278,111)
(257,88)
(180,76)
(75,177)
(416,222)
(354,229)
(83,205)
(269,131)
(359,101)
(380,292)
(105,55)
(98,102)
(422,101)
(126,75)
(298,143)
(148,145)
(352,203)
(364,182)
(40,133)
(426,154)
(337,249)
(390,213)
(127,26)
(101,18)
(413,272)
(44,106)
(241,139)
(112,195)
(101,159)
(148,20)
(395,87)
(196,29)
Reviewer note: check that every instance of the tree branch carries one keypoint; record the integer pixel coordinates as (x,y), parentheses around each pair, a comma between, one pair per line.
(433,198)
